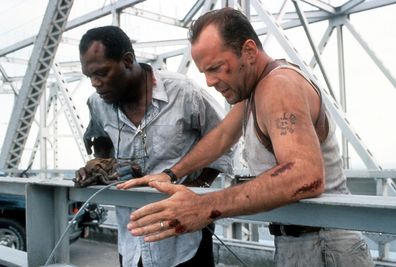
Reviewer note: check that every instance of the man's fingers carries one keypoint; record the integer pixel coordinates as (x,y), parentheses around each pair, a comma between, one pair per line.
(159,225)
(151,218)
(152,209)
(167,188)
(133,182)
(160,235)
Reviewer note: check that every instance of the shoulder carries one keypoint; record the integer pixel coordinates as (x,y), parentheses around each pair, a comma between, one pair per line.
(94,98)
(178,81)
(283,83)
(286,90)
(97,105)
(186,89)
(183,88)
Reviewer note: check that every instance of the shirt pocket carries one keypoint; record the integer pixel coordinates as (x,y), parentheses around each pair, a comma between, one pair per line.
(168,141)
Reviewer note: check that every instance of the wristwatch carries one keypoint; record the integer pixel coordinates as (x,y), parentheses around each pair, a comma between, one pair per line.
(171,174)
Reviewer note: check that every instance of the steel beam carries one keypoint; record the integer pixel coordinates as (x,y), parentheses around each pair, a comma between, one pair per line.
(74,120)
(321,5)
(371,53)
(91,16)
(40,62)
(304,24)
(46,213)
(345,8)
(333,107)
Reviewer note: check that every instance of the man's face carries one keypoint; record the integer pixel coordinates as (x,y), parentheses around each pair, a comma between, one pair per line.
(107,76)
(223,69)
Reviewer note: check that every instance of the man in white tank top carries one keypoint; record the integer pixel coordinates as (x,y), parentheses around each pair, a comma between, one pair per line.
(289,145)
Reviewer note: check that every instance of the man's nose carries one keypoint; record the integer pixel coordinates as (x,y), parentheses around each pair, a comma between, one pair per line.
(95,82)
(211,80)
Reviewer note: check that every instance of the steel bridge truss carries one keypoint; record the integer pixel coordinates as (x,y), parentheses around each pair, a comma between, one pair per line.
(45,74)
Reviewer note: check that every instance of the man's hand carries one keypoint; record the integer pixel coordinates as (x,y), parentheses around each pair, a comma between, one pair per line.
(160,177)
(184,211)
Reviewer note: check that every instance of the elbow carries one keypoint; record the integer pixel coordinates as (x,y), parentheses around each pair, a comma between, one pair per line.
(313,186)
(317,183)
(319,180)
(318,187)
(313,189)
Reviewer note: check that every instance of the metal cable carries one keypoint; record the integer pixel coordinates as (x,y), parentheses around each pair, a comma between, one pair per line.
(86,203)
(230,250)
(74,220)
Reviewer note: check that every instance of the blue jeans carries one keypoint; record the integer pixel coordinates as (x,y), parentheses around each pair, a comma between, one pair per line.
(326,248)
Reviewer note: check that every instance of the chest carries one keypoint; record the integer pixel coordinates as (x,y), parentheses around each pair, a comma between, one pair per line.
(136,114)
(257,157)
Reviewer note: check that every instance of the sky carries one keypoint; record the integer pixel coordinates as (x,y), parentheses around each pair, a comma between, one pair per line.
(371,97)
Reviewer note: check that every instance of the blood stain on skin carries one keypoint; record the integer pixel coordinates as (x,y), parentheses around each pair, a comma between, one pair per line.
(309,188)
(215,214)
(283,168)
(180,229)
(174,223)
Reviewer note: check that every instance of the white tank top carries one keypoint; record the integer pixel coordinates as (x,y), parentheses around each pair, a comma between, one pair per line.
(259,159)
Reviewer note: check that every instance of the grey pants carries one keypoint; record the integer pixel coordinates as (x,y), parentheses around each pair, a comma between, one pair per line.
(326,248)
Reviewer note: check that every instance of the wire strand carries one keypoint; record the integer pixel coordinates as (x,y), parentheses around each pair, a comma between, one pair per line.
(227,247)
(74,219)
(94,195)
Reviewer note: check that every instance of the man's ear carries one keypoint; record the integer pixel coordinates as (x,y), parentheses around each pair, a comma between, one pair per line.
(250,51)
(128,59)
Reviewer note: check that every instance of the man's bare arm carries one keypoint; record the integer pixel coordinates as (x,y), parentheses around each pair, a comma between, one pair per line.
(214,144)
(284,107)
(208,149)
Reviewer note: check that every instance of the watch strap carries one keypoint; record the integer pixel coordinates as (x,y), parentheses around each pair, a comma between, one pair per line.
(171,174)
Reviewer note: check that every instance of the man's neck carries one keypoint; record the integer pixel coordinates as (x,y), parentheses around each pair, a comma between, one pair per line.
(136,106)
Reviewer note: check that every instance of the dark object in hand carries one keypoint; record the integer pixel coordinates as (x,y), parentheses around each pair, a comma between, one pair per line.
(104,171)
(242,178)
(205,179)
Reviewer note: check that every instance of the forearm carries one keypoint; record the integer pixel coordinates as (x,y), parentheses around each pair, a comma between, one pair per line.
(211,147)
(214,144)
(284,184)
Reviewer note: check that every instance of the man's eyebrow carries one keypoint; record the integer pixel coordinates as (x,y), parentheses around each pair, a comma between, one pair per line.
(214,66)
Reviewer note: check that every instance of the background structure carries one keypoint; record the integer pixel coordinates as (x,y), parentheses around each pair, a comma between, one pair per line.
(346,45)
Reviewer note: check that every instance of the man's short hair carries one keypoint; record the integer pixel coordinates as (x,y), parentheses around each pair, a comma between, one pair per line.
(115,40)
(234,28)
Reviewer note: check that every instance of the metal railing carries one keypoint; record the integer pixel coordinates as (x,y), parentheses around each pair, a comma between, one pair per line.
(47,199)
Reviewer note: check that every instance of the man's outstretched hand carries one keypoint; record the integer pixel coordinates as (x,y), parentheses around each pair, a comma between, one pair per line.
(184,211)
(144,181)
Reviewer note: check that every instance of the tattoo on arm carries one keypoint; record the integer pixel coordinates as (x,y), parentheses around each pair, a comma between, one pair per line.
(286,123)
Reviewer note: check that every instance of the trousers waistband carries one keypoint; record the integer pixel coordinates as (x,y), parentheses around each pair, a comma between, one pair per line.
(291,230)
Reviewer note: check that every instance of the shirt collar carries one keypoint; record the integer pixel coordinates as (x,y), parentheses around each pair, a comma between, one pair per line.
(159,92)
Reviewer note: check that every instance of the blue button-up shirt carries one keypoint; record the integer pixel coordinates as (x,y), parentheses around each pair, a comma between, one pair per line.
(181,113)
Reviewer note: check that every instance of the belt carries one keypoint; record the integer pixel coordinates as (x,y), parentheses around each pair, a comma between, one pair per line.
(291,230)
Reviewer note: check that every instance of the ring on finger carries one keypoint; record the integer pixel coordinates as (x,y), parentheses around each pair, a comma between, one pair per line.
(162,225)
